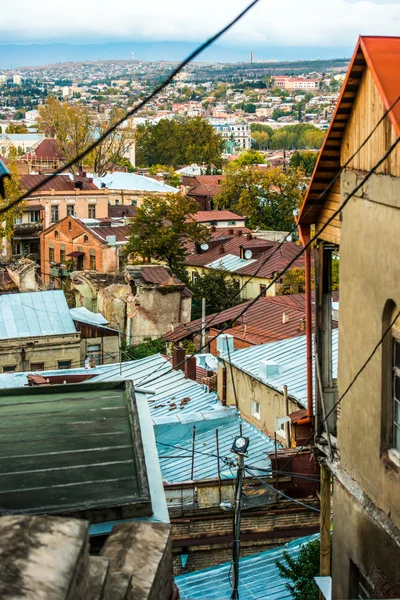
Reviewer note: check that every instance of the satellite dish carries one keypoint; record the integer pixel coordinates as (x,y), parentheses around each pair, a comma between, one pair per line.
(204,246)
(248,254)
(212,363)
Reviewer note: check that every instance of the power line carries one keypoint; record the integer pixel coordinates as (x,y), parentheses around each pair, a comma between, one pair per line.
(130,113)
(303,249)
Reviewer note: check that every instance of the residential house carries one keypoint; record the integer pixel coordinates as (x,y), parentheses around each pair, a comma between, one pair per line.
(19,141)
(252,263)
(80,244)
(202,188)
(219,218)
(44,157)
(235,130)
(268,383)
(129,189)
(144,301)
(358,441)
(39,331)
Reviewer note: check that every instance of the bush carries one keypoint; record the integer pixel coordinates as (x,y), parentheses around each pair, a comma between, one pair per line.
(301,571)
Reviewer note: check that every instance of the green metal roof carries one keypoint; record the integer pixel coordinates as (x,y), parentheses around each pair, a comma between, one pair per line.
(73,449)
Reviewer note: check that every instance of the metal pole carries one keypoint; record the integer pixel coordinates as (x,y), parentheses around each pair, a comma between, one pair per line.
(325,523)
(287,427)
(276,468)
(218,466)
(203,323)
(236,529)
(193,442)
(119,350)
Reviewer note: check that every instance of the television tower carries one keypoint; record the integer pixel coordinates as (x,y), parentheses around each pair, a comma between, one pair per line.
(251,57)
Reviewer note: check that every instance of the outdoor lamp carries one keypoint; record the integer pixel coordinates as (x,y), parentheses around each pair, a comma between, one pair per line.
(240,445)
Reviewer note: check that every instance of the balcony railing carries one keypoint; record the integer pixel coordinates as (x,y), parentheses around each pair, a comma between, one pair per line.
(28,227)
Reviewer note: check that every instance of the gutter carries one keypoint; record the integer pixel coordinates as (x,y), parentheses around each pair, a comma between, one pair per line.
(304,232)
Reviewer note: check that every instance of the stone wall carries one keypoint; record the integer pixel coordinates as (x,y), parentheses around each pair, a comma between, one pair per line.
(48,558)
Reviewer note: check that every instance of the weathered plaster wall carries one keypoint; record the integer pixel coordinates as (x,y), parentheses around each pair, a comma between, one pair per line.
(47,349)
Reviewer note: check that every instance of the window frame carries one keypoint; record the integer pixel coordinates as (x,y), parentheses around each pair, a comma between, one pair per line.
(70,210)
(63,257)
(39,366)
(93,262)
(51,255)
(9,368)
(91,208)
(394,446)
(255,409)
(59,362)
(56,209)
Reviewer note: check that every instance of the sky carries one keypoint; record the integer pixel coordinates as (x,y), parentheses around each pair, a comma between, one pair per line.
(324,23)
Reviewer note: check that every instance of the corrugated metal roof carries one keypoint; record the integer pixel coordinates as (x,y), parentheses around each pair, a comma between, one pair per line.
(84,315)
(177,441)
(206,216)
(159,275)
(33,314)
(133,182)
(259,578)
(232,245)
(121,232)
(61,183)
(290,355)
(229,262)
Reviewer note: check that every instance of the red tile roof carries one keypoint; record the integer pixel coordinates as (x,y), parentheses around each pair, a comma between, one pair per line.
(116,210)
(46,150)
(204,190)
(382,56)
(159,274)
(61,183)
(206,216)
(274,261)
(208,179)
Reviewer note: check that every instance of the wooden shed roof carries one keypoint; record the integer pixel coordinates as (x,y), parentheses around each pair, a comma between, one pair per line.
(382,56)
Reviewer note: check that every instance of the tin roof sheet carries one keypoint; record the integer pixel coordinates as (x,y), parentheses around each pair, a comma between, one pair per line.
(84,315)
(33,314)
(259,578)
(290,355)
(229,262)
(133,182)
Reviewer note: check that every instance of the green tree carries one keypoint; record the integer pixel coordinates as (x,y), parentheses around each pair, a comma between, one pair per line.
(268,197)
(262,139)
(250,107)
(170,177)
(305,160)
(12,189)
(301,571)
(219,289)
(16,128)
(146,348)
(250,157)
(159,229)
(174,142)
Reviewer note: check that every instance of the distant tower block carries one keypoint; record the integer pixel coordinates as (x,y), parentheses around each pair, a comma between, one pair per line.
(133,56)
(251,57)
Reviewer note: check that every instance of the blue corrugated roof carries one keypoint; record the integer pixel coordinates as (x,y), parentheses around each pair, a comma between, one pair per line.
(259,578)
(84,315)
(133,182)
(230,262)
(170,388)
(33,314)
(290,355)
(177,442)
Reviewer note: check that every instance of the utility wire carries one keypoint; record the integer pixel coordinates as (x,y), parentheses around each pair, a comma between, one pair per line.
(303,249)
(130,113)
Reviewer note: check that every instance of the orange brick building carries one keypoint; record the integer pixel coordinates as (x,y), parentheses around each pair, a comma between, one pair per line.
(73,245)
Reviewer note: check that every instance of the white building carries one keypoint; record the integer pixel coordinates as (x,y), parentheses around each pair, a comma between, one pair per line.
(17,79)
(235,130)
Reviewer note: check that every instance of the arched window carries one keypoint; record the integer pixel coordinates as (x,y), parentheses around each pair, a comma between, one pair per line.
(390,407)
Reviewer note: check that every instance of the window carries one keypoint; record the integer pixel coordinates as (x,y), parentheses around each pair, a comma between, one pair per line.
(360,586)
(64,364)
(116,202)
(35,216)
(263,289)
(92,263)
(70,226)
(70,210)
(133,203)
(17,248)
(194,277)
(51,255)
(62,256)
(37,366)
(394,450)
(9,368)
(255,409)
(56,233)
(18,220)
(92,211)
(95,352)
(54,213)
(231,222)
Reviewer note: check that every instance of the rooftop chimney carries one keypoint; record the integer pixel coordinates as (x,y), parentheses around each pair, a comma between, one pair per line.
(190,368)
(212,228)
(302,325)
(178,357)
(285,317)
(230,231)
(221,250)
(238,232)
(249,236)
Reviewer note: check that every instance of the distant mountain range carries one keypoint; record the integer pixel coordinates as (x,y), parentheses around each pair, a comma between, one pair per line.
(18,55)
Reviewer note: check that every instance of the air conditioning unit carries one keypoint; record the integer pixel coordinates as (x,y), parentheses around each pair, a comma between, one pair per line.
(267,369)
(111,240)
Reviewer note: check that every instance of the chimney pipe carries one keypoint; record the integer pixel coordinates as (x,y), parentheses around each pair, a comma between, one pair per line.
(178,357)
(190,368)
(230,231)
(285,317)
(221,249)
(249,236)
(212,228)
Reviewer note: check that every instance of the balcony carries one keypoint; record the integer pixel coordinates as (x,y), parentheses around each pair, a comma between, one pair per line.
(59,271)
(28,228)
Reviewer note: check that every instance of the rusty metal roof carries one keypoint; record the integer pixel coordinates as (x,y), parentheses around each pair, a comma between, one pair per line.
(60,183)
(231,245)
(159,275)
(382,56)
(207,216)
(121,232)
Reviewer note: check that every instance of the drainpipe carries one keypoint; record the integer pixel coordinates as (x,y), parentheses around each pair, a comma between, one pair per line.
(304,231)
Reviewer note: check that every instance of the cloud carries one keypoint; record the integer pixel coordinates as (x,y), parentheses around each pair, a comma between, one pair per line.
(292,23)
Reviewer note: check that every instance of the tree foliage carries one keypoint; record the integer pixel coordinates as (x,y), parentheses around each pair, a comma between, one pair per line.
(250,157)
(159,229)
(217,287)
(289,137)
(146,348)
(75,128)
(267,197)
(12,189)
(178,142)
(305,160)
(16,128)
(301,571)
(169,175)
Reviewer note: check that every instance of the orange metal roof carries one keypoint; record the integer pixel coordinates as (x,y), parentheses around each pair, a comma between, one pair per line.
(382,56)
